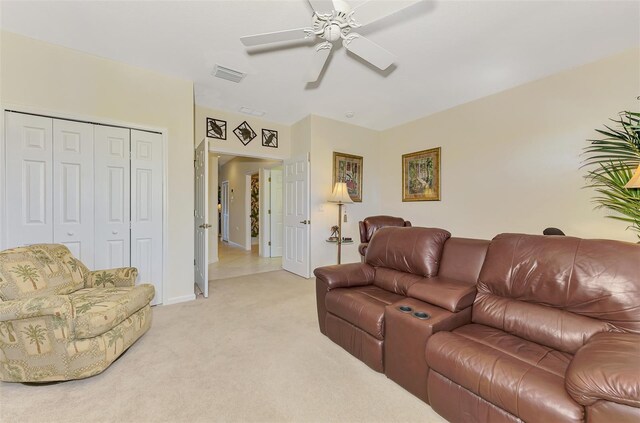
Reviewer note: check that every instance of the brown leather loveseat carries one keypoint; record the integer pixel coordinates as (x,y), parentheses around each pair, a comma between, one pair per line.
(552,335)
(420,269)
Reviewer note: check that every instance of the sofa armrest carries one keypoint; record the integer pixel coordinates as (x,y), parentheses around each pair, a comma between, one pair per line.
(120,277)
(450,294)
(345,275)
(49,305)
(606,368)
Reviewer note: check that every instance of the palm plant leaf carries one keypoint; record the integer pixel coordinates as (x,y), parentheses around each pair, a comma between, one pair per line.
(612,161)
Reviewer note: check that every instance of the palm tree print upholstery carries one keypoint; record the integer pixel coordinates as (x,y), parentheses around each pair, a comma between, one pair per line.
(60,321)
(123,276)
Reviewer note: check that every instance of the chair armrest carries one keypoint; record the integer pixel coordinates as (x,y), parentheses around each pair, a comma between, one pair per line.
(606,368)
(450,294)
(120,277)
(345,275)
(58,306)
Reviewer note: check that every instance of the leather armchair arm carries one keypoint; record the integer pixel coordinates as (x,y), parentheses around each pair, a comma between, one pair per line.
(606,368)
(345,275)
(120,277)
(55,309)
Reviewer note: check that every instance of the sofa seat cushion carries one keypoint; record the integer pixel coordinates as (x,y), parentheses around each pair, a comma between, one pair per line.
(98,310)
(524,378)
(362,306)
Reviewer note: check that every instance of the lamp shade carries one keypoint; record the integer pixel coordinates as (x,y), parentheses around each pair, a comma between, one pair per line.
(634,182)
(340,194)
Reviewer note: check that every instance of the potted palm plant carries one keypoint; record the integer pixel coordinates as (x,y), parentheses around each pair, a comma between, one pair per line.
(611,162)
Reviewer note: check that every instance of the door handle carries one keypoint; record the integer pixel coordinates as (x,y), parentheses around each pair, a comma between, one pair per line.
(114,232)
(204,226)
(305,222)
(70,233)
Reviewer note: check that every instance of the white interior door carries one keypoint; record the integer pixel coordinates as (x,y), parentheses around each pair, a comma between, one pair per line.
(296,216)
(29,176)
(112,197)
(73,188)
(276,218)
(201,214)
(224,200)
(146,208)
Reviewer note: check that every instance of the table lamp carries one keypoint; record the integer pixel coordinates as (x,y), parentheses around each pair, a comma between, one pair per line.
(634,182)
(340,195)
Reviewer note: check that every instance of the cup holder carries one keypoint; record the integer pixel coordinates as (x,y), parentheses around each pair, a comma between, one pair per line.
(405,309)
(421,315)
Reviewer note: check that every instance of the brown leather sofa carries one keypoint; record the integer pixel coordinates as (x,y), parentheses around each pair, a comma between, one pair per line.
(552,335)
(371,224)
(555,336)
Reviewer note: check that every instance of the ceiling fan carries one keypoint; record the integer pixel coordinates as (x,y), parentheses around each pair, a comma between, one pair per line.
(334,20)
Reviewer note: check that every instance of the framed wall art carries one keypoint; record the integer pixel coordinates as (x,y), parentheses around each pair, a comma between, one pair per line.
(244,133)
(216,128)
(270,138)
(348,168)
(421,175)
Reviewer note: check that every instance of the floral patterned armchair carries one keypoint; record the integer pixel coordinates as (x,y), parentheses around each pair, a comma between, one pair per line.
(61,321)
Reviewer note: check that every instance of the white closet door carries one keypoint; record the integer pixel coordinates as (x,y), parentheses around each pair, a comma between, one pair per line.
(29,176)
(146,208)
(73,188)
(112,197)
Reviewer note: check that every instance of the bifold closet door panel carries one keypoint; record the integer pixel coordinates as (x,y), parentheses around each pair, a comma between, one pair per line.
(29,179)
(112,197)
(146,208)
(73,188)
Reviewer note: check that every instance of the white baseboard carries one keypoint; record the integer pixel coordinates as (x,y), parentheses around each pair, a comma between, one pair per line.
(176,300)
(236,245)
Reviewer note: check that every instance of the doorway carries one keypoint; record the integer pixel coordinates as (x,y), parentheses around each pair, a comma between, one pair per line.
(250,191)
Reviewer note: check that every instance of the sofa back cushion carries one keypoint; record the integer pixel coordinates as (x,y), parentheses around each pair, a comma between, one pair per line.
(38,270)
(462,259)
(559,291)
(410,250)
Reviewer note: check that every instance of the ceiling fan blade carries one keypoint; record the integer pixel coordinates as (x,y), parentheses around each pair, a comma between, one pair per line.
(276,37)
(372,11)
(369,51)
(321,6)
(318,61)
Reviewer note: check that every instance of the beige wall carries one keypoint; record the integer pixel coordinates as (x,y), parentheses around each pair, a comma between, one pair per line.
(58,80)
(236,172)
(511,161)
(327,136)
(232,144)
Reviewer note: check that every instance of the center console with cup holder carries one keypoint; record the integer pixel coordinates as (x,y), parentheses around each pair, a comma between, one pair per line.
(408,326)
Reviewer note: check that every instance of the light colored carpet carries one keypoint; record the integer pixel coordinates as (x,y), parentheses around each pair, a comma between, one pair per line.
(252,352)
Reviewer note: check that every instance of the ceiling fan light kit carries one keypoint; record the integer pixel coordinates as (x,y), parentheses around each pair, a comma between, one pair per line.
(333,21)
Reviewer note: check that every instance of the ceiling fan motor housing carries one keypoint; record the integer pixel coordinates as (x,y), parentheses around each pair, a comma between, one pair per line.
(332,26)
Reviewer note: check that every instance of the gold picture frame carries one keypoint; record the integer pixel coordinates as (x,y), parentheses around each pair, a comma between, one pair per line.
(421,175)
(348,168)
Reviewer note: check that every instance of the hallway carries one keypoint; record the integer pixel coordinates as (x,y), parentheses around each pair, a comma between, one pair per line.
(235,261)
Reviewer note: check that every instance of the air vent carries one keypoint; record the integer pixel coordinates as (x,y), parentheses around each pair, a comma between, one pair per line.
(228,74)
(252,112)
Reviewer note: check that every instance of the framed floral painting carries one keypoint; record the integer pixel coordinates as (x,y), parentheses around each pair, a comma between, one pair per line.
(348,168)
(421,175)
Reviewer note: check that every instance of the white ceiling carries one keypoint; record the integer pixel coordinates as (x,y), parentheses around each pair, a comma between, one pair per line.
(448,52)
